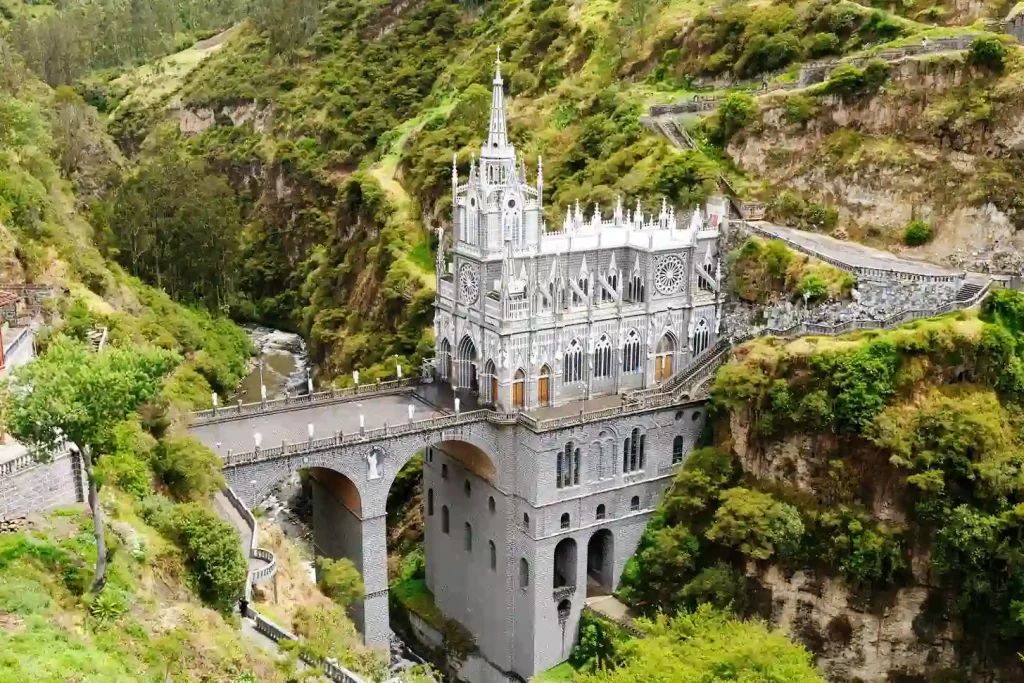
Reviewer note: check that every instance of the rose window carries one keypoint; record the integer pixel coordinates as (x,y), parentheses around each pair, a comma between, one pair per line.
(669,275)
(469,285)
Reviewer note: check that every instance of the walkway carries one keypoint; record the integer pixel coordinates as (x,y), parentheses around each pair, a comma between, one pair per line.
(275,427)
(227,512)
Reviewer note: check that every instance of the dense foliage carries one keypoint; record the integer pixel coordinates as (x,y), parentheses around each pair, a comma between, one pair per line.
(707,646)
(926,415)
(761,269)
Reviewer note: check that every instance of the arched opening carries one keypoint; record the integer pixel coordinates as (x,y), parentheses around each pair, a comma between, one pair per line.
(600,513)
(572,363)
(634,504)
(663,358)
(603,357)
(446,360)
(524,573)
(701,337)
(490,383)
(600,549)
(565,521)
(466,366)
(631,363)
(677,450)
(519,389)
(565,563)
(564,610)
(544,387)
(492,552)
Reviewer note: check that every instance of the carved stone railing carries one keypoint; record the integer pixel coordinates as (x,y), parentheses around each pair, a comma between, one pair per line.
(563,592)
(24,336)
(276,633)
(289,403)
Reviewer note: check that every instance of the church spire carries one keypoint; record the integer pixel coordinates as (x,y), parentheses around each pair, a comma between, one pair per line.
(497,134)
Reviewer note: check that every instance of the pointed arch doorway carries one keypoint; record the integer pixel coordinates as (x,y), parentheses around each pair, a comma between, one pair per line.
(663,358)
(544,387)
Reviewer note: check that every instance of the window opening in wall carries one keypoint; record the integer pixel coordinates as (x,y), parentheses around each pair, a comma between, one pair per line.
(643,452)
(524,573)
(444,519)
(430,502)
(633,451)
(467,488)
(544,386)
(634,504)
(564,610)
(701,337)
(635,288)
(631,353)
(563,523)
(625,454)
(677,450)
(709,270)
(492,553)
(446,359)
(469,537)
(519,389)
(603,357)
(695,416)
(572,363)
(444,471)
(490,504)
(526,521)
(430,455)
(599,515)
(663,358)
(567,469)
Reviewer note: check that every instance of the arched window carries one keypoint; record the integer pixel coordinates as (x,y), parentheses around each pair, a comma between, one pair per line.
(430,502)
(492,553)
(677,450)
(444,519)
(446,359)
(613,284)
(709,270)
(572,363)
(633,455)
(490,504)
(643,454)
(701,337)
(634,504)
(584,284)
(465,366)
(467,488)
(599,515)
(490,385)
(544,386)
(567,469)
(519,389)
(635,288)
(631,363)
(524,573)
(444,471)
(526,521)
(469,538)
(663,358)
(576,467)
(603,357)
(564,522)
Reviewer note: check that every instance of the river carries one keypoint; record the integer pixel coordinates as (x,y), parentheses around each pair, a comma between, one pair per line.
(283,367)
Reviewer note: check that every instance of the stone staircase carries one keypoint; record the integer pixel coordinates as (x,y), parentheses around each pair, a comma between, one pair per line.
(97,338)
(968,291)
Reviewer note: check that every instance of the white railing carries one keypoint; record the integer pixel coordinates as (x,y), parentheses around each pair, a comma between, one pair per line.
(270,568)
(517,309)
(292,402)
(276,633)
(23,336)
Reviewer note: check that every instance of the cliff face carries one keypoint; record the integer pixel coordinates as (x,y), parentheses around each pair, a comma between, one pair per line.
(940,141)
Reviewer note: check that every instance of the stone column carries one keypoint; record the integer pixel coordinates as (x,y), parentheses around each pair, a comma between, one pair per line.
(376,625)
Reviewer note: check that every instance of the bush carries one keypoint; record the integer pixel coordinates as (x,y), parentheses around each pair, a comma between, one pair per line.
(340,580)
(190,470)
(213,552)
(916,233)
(734,113)
(799,108)
(127,467)
(989,53)
(756,524)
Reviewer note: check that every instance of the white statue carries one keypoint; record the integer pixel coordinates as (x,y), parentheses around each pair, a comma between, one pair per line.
(371,461)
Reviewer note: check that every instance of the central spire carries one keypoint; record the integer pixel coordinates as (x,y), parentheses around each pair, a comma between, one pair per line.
(497,134)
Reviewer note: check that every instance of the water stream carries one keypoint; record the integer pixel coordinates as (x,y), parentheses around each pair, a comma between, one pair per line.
(283,366)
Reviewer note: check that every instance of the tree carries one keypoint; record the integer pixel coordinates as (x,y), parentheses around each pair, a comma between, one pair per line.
(340,580)
(988,52)
(75,394)
(757,524)
(916,233)
(708,646)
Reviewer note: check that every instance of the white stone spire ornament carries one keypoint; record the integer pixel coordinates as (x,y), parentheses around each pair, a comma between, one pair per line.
(638,216)
(567,225)
(618,210)
(596,218)
(578,218)
(497,133)
(695,220)
(540,181)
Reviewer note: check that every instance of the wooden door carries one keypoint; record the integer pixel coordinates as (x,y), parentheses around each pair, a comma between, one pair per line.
(518,394)
(658,360)
(666,370)
(543,393)
(494,389)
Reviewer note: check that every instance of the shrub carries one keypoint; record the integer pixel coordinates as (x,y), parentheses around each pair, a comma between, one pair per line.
(988,52)
(756,524)
(595,649)
(127,467)
(812,287)
(213,552)
(190,470)
(799,108)
(916,233)
(734,113)
(340,580)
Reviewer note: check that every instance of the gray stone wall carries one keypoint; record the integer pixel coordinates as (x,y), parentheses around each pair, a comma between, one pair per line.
(41,487)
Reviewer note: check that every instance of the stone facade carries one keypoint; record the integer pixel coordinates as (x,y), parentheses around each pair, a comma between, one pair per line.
(529,318)
(27,486)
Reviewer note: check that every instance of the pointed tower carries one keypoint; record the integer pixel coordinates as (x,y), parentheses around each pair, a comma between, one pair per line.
(497,133)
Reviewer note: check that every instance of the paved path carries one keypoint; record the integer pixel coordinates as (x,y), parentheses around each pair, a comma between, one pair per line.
(227,512)
(291,426)
(856,255)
